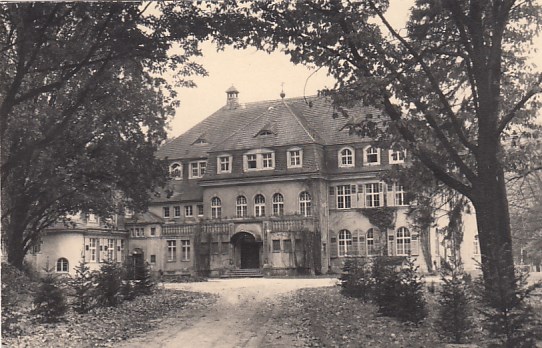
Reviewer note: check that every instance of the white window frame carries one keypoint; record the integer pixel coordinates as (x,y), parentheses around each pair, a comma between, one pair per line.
(173,168)
(262,159)
(399,195)
(259,205)
(241,206)
(216,208)
(197,169)
(344,196)
(94,250)
(366,155)
(64,265)
(223,164)
(188,211)
(199,207)
(370,241)
(397,152)
(171,245)
(403,242)
(371,197)
(305,204)
(166,212)
(347,157)
(295,158)
(476,245)
(344,241)
(278,204)
(111,249)
(185,249)
(177,211)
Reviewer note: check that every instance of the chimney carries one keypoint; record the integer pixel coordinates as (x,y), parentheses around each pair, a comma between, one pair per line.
(232,98)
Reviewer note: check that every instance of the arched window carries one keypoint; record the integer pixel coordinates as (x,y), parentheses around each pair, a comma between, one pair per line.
(372,234)
(241,206)
(216,208)
(371,155)
(345,242)
(176,171)
(305,202)
(278,204)
(259,205)
(403,242)
(62,265)
(346,157)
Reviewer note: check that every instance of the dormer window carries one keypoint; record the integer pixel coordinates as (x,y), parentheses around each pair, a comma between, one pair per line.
(176,171)
(224,164)
(197,169)
(346,157)
(295,158)
(397,154)
(371,156)
(265,132)
(259,160)
(200,141)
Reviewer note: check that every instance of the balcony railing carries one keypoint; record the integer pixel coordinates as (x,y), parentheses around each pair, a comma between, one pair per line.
(179,230)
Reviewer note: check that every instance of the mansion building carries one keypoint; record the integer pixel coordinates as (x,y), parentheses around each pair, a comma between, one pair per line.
(282,187)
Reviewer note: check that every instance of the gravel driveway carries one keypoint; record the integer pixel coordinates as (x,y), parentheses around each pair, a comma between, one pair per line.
(245,314)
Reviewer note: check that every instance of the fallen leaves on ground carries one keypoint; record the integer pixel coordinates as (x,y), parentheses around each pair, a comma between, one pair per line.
(103,327)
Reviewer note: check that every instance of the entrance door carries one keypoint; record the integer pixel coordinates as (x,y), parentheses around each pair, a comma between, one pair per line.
(250,254)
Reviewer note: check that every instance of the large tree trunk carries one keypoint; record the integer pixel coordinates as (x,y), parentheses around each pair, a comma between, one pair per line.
(15,241)
(493,220)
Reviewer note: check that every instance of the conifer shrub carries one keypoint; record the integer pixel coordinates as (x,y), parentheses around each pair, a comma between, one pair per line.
(108,284)
(356,280)
(127,290)
(509,318)
(49,300)
(455,305)
(83,288)
(386,286)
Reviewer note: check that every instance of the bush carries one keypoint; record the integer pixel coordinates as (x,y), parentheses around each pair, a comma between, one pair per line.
(356,280)
(455,311)
(398,291)
(49,301)
(108,284)
(509,318)
(82,285)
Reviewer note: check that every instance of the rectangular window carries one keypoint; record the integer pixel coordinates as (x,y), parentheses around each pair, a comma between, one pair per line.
(94,252)
(177,211)
(153,258)
(267,160)
(200,209)
(188,212)
(153,231)
(294,159)
(400,195)
(171,250)
(166,211)
(287,243)
(251,161)
(185,251)
(372,195)
(111,249)
(276,245)
(224,164)
(344,196)
(197,169)
(225,248)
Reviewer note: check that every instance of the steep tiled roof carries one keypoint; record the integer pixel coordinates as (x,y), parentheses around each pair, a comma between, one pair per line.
(293,121)
(180,191)
(146,217)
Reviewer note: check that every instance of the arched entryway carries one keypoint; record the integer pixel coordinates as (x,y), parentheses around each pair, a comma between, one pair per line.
(246,250)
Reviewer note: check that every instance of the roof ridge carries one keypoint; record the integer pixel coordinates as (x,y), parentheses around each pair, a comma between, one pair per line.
(298,121)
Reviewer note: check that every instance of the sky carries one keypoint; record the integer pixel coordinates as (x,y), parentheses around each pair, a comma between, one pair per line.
(258,76)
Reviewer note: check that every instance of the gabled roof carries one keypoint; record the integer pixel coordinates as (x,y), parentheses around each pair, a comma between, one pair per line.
(144,218)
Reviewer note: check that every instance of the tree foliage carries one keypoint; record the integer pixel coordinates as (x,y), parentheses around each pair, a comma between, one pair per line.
(455,83)
(84,105)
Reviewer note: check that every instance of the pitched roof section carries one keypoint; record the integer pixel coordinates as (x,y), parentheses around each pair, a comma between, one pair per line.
(293,121)
(144,218)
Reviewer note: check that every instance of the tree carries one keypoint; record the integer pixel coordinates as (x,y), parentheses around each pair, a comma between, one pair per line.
(83,109)
(454,85)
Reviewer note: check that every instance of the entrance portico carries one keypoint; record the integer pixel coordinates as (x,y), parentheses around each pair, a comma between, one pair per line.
(246,250)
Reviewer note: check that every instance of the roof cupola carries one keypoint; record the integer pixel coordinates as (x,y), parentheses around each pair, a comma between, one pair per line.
(232,100)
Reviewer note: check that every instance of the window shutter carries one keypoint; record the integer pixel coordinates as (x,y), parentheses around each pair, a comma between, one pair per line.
(414,245)
(390,195)
(361,197)
(331,190)
(333,252)
(391,245)
(87,252)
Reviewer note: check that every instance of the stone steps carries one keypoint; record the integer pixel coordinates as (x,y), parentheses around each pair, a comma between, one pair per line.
(243,273)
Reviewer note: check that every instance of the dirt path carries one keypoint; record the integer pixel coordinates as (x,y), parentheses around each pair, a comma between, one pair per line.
(246,314)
